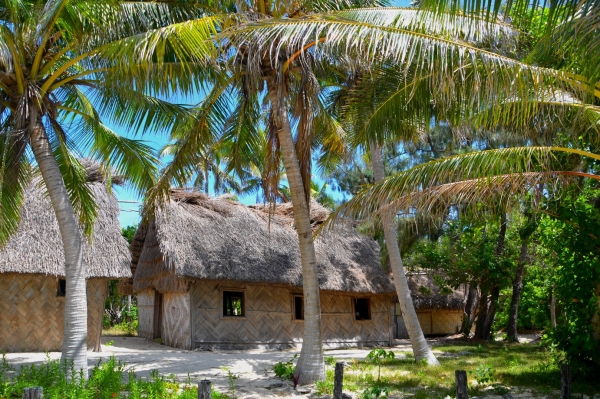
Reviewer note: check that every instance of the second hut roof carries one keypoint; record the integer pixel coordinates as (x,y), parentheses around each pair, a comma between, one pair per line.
(194,236)
(426,294)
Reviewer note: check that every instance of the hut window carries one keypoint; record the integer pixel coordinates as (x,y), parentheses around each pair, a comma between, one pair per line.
(233,303)
(362,309)
(62,287)
(298,307)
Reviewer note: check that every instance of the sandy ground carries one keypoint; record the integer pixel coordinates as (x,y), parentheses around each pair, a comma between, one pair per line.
(253,368)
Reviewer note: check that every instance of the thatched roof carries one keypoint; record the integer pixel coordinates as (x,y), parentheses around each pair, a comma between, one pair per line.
(36,247)
(426,294)
(197,237)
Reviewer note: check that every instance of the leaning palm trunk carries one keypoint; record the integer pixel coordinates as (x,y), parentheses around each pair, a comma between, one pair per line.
(75,330)
(420,348)
(310,366)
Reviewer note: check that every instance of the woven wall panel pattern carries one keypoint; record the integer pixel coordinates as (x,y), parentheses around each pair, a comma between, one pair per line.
(176,320)
(146,314)
(32,316)
(268,320)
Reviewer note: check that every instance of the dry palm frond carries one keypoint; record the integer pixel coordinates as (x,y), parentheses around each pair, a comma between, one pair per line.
(478,193)
(465,178)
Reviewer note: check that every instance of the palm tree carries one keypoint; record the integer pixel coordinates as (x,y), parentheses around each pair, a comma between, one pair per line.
(282,52)
(210,163)
(56,59)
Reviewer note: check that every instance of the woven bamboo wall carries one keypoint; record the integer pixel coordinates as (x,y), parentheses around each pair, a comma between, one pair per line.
(446,321)
(268,318)
(146,314)
(32,316)
(433,322)
(176,320)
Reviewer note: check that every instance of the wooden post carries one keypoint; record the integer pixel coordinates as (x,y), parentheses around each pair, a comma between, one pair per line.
(338,380)
(565,381)
(33,393)
(462,391)
(204,390)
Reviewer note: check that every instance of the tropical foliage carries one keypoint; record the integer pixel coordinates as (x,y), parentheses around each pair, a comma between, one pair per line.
(58,59)
(282,81)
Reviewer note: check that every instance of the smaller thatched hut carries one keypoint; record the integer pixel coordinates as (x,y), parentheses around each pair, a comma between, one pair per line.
(215,273)
(32,272)
(439,312)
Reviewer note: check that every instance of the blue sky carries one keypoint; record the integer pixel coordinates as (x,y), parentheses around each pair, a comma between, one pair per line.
(129,202)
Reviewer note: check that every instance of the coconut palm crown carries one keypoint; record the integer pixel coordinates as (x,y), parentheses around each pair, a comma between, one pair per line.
(58,64)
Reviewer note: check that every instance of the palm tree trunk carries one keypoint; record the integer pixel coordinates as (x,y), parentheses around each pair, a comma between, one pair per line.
(75,328)
(513,312)
(420,348)
(311,365)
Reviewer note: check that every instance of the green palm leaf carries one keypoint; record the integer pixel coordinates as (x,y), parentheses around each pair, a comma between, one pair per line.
(472,170)
(14,177)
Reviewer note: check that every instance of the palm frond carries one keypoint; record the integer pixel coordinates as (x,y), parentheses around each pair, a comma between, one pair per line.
(443,62)
(15,174)
(193,134)
(467,167)
(470,29)
(573,45)
(187,43)
(128,158)
(323,6)
(243,142)
(558,10)
(479,195)
(136,111)
(75,178)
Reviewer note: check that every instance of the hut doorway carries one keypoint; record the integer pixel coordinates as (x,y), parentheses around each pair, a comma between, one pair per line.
(158,310)
(400,328)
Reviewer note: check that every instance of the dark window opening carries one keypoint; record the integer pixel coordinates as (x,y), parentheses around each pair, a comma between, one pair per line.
(233,303)
(362,309)
(62,287)
(298,308)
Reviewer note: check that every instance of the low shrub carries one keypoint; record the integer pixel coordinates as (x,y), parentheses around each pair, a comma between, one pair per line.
(105,382)
(285,370)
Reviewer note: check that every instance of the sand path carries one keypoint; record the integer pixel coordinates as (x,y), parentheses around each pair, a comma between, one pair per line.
(253,368)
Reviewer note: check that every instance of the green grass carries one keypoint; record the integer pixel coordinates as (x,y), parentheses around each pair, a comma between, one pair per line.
(511,365)
(116,331)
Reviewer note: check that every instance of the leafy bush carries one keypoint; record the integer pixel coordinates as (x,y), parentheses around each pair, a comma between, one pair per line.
(483,374)
(285,370)
(575,260)
(375,392)
(105,382)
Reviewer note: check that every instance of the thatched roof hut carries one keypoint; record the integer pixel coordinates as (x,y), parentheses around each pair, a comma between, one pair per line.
(198,237)
(32,267)
(36,247)
(427,295)
(200,255)
(439,311)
